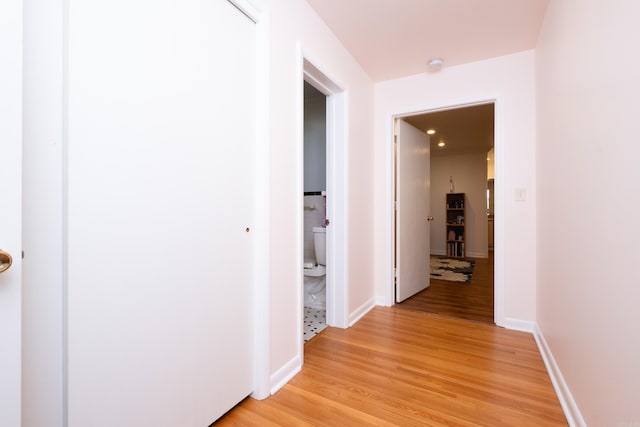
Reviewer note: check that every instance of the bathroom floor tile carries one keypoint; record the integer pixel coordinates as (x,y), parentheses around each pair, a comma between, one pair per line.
(315,321)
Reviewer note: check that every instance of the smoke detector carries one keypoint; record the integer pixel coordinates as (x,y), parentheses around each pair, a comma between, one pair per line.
(435,64)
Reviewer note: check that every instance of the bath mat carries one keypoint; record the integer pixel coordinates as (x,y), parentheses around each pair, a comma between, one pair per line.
(315,320)
(452,270)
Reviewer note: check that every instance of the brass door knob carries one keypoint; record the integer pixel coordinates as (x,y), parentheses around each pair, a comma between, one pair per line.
(429,218)
(5,261)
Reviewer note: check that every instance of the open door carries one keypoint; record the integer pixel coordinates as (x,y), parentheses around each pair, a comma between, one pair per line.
(412,210)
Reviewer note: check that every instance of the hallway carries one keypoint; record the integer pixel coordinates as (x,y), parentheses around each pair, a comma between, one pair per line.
(403,368)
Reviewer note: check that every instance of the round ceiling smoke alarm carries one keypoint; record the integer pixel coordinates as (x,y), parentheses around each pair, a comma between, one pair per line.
(435,64)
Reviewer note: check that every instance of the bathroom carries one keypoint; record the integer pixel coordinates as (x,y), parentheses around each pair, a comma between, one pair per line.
(314,211)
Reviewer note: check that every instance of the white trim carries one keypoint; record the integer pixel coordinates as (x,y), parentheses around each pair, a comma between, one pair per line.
(359,312)
(519,325)
(499,210)
(380,300)
(299,206)
(284,374)
(569,406)
(65,211)
(390,116)
(389,212)
(248,9)
(261,294)
(337,210)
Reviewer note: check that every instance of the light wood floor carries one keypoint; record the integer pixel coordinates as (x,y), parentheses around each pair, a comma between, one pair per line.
(472,301)
(404,368)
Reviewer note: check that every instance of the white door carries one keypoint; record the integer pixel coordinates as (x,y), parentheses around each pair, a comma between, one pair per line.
(412,195)
(160,206)
(10,209)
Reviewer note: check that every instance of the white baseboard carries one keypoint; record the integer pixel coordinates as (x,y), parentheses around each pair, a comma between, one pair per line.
(382,301)
(571,410)
(519,325)
(362,310)
(438,252)
(284,374)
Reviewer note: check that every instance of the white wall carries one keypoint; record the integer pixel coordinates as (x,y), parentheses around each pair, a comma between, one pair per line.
(469,171)
(294,24)
(587,167)
(510,80)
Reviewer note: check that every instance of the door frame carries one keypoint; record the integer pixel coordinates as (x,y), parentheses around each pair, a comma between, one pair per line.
(337,185)
(255,11)
(389,242)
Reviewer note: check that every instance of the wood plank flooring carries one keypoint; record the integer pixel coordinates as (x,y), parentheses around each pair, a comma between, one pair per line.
(472,301)
(405,368)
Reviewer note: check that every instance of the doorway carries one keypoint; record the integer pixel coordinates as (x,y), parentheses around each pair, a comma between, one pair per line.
(335,196)
(462,139)
(315,212)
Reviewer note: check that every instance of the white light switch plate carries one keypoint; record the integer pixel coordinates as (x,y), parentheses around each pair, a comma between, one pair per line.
(521,194)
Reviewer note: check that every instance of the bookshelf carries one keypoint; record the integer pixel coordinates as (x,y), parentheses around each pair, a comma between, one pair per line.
(455,233)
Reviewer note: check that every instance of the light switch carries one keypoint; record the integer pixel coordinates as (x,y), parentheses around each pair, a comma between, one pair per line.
(521,194)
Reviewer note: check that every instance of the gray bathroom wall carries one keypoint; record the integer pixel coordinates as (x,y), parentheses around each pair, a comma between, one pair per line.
(315,134)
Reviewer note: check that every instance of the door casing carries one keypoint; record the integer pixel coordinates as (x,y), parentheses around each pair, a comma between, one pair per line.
(389,233)
(337,161)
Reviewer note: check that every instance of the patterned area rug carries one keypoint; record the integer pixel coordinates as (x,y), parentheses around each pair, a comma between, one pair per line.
(453,270)
(315,320)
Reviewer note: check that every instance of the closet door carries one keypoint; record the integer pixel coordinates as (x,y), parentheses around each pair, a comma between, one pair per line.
(11,118)
(159,195)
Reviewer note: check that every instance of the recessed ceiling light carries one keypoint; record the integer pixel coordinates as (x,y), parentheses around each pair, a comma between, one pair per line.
(441,144)
(431,131)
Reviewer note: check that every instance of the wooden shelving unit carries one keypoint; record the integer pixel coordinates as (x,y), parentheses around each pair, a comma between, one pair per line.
(455,232)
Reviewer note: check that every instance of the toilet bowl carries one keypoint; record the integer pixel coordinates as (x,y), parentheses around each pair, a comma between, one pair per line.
(315,272)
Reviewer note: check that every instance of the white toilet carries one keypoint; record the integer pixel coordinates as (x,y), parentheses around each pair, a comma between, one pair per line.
(315,279)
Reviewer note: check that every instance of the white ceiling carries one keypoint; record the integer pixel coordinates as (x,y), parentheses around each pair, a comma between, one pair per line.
(395,38)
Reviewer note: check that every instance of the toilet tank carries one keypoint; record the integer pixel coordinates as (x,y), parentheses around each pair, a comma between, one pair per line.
(320,244)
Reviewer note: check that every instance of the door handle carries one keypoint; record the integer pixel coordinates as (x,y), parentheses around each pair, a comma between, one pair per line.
(5,261)
(429,218)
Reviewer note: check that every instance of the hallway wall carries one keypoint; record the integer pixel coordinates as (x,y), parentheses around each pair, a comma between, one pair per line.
(288,39)
(587,168)
(511,80)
